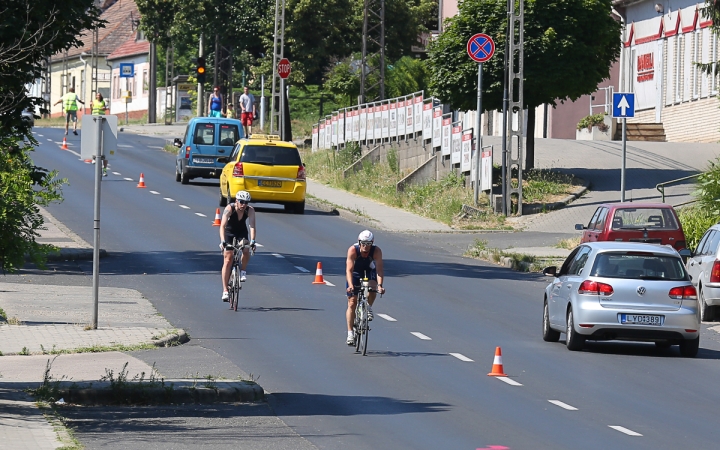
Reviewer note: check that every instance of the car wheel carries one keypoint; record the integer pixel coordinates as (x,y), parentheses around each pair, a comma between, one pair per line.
(300,208)
(706,312)
(177,173)
(229,198)
(689,347)
(184,179)
(573,340)
(223,200)
(549,335)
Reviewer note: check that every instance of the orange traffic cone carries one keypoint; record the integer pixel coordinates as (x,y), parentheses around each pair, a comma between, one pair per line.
(64,146)
(141,184)
(217,218)
(497,368)
(318,275)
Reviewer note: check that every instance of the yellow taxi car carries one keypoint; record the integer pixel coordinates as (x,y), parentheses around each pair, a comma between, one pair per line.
(269,169)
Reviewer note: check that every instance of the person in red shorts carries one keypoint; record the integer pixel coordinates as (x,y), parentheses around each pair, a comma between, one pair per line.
(247,107)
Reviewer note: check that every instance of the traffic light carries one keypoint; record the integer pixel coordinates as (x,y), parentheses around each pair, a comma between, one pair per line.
(200,71)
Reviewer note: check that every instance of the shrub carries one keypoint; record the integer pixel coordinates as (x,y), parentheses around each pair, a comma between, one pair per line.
(595,120)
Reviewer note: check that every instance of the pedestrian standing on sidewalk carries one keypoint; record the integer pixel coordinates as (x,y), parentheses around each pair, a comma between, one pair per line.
(247,105)
(98,109)
(70,108)
(215,103)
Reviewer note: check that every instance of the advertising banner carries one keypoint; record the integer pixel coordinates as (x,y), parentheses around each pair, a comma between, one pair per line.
(486,169)
(401,118)
(328,132)
(418,114)
(437,126)
(314,145)
(427,120)
(321,135)
(456,136)
(385,114)
(446,130)
(371,122)
(393,118)
(465,150)
(363,123)
(334,133)
(378,121)
(409,127)
(341,127)
(356,124)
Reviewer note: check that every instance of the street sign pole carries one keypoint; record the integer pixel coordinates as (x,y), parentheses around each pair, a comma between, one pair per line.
(624,157)
(478,143)
(99,159)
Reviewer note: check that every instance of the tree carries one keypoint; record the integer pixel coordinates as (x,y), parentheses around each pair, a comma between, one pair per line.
(30,32)
(569,48)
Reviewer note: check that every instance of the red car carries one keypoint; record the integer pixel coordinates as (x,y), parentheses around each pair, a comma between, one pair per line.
(655,223)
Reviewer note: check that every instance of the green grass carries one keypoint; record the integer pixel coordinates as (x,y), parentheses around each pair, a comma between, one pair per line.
(541,184)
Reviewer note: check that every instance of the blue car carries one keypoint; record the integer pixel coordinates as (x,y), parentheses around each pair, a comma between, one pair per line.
(206,139)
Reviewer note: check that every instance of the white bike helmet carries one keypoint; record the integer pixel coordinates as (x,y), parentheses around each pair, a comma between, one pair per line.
(366,236)
(243,196)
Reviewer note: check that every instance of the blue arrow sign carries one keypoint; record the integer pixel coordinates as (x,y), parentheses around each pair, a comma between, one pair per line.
(623,105)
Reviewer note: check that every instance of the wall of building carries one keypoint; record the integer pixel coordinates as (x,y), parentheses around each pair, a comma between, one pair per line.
(79,76)
(137,85)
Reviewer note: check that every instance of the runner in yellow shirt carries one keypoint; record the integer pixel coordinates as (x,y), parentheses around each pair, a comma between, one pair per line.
(70,108)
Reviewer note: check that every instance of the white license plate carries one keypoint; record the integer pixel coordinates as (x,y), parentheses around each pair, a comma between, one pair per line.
(203,160)
(269,183)
(641,319)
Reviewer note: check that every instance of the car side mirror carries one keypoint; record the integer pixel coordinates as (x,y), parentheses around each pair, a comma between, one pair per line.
(685,253)
(580,227)
(550,271)
(177,143)
(223,159)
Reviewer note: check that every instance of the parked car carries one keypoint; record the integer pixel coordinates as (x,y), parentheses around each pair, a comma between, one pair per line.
(269,169)
(704,269)
(28,117)
(206,139)
(622,291)
(655,223)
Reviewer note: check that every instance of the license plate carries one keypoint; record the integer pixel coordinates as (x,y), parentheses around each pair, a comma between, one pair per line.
(641,319)
(269,183)
(203,160)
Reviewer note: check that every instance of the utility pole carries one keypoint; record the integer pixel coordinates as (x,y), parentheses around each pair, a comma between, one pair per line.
(278,54)
(516,41)
(152,84)
(200,94)
(373,46)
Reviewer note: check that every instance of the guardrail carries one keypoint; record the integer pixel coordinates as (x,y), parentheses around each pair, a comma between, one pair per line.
(661,187)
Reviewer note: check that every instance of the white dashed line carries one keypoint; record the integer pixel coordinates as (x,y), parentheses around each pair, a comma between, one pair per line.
(302,269)
(461,357)
(420,336)
(128,179)
(329,283)
(509,381)
(200,214)
(277,255)
(38,134)
(388,318)
(169,199)
(624,430)
(563,405)
(155,192)
(50,140)
(154,146)
(184,207)
(125,146)
(117,173)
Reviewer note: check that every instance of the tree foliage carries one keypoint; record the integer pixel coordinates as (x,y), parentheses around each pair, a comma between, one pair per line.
(568,50)
(30,32)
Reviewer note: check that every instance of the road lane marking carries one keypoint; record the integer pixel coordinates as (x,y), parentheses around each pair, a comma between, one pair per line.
(329,283)
(125,146)
(277,255)
(509,381)
(184,207)
(461,357)
(128,179)
(155,192)
(154,146)
(563,405)
(302,269)
(50,140)
(420,336)
(169,199)
(117,173)
(200,214)
(388,318)
(624,430)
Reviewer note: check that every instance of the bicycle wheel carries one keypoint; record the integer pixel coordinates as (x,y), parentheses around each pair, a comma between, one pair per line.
(366,328)
(231,288)
(358,328)
(238,286)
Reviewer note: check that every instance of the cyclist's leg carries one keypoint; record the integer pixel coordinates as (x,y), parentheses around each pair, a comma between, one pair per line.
(373,284)
(245,258)
(226,268)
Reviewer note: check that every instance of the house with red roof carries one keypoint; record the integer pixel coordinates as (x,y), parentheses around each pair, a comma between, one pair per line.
(130,79)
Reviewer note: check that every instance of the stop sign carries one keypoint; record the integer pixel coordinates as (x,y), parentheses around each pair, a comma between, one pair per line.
(284,68)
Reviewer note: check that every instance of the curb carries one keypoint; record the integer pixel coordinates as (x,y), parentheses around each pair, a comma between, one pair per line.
(337,211)
(536,208)
(513,263)
(74,254)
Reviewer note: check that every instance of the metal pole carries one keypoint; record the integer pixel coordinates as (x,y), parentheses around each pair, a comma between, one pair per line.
(624,155)
(281,117)
(262,102)
(478,133)
(99,159)
(505,110)
(200,94)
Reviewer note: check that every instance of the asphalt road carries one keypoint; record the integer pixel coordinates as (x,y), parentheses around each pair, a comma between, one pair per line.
(424,383)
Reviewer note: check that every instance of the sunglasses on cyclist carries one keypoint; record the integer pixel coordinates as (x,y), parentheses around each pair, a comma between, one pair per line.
(241,202)
(366,242)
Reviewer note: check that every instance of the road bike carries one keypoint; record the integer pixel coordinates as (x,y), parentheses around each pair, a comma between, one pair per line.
(235,285)
(362,324)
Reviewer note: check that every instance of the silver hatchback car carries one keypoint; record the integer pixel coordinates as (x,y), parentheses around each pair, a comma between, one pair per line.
(622,291)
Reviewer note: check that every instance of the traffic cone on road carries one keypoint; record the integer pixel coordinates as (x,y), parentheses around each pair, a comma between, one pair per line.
(497,368)
(217,218)
(141,184)
(318,275)
(64,146)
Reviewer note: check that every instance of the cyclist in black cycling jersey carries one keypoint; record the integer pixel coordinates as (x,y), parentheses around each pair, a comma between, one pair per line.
(238,221)
(364,259)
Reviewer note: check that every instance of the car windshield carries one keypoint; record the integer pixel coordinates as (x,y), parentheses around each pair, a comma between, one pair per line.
(644,218)
(271,155)
(639,265)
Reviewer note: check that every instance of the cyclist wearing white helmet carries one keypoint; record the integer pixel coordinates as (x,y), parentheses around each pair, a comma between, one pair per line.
(364,259)
(238,221)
